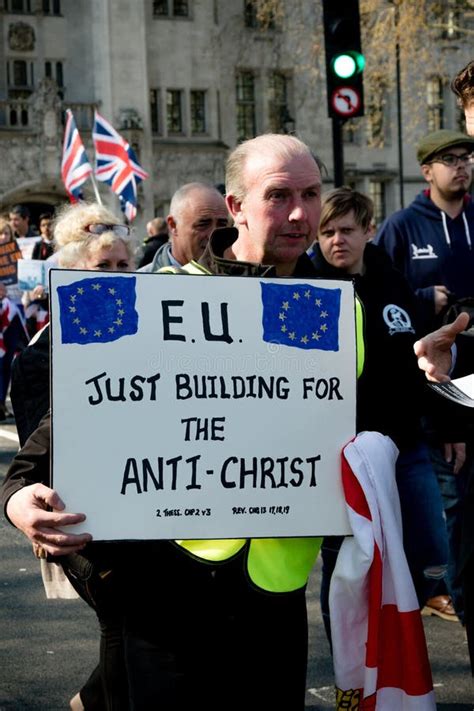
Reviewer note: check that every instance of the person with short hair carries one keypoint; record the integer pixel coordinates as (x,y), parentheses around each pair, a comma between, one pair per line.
(392,406)
(157,236)
(45,247)
(435,359)
(226,627)
(463,86)
(431,243)
(196,210)
(20,217)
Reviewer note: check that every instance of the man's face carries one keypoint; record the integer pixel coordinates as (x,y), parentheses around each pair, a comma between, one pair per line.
(202,212)
(342,243)
(450,182)
(19,223)
(279,215)
(469,115)
(45,228)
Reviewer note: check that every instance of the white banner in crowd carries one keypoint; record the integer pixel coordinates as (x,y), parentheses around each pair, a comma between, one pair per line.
(199,407)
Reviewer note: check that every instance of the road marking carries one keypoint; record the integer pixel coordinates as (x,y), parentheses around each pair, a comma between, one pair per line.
(327,695)
(9,435)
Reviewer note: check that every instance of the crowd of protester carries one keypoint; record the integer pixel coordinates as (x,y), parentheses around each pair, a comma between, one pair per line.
(411,275)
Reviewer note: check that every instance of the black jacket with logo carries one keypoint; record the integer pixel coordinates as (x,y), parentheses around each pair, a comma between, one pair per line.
(391,390)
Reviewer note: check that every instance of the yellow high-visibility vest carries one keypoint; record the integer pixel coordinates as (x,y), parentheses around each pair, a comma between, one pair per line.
(276,565)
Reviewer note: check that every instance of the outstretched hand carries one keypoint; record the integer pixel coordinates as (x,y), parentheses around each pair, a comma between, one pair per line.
(434,350)
(27,509)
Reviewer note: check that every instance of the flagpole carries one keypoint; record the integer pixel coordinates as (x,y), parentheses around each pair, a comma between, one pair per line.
(96,189)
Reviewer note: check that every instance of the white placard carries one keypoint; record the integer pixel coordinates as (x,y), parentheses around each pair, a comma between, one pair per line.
(201,407)
(31,273)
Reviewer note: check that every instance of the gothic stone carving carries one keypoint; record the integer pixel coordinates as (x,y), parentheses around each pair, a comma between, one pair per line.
(21,37)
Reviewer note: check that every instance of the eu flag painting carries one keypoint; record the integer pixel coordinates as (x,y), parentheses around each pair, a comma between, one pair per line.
(301,316)
(98,310)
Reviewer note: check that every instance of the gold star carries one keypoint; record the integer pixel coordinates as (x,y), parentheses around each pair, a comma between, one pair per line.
(307,294)
(283,329)
(323,314)
(77,321)
(121,312)
(83,330)
(96,287)
(98,333)
(324,327)
(318,302)
(282,316)
(118,302)
(80,290)
(72,309)
(118,321)
(296,296)
(315,336)
(111,329)
(292,336)
(304,339)
(112,291)
(73,297)
(285,305)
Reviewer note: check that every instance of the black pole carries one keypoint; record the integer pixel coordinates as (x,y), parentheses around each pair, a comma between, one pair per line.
(338,152)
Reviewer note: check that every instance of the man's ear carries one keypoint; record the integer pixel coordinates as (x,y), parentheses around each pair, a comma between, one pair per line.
(426,172)
(235,208)
(171,222)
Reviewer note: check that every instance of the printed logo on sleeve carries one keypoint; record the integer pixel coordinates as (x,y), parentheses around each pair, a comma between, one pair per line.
(397,320)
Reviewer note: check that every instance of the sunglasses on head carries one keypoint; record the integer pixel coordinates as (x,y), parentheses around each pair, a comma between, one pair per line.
(98,228)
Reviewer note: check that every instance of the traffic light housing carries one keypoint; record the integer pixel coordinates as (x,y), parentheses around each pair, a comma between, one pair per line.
(344,59)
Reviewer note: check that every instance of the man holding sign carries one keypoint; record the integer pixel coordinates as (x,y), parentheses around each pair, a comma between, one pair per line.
(209,623)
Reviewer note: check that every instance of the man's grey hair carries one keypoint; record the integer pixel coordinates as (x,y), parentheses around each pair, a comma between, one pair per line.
(272,144)
(183,193)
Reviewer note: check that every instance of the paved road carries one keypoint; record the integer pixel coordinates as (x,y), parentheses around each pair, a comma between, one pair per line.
(48,647)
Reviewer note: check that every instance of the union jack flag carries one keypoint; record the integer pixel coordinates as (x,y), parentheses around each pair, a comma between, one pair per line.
(75,168)
(117,165)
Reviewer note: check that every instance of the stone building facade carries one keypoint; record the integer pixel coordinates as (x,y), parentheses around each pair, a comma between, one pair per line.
(183,81)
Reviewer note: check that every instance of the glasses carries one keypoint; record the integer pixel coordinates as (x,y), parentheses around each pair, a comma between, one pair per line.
(99,228)
(452,160)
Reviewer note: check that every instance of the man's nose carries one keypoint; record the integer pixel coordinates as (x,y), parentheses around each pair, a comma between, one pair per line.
(298,211)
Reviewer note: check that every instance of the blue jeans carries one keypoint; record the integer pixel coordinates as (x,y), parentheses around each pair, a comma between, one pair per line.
(452,488)
(425,537)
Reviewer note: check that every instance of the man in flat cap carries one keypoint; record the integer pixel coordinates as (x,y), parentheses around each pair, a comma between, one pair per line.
(431,242)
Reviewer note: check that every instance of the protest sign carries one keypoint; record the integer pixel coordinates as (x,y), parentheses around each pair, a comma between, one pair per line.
(31,273)
(27,244)
(210,407)
(9,255)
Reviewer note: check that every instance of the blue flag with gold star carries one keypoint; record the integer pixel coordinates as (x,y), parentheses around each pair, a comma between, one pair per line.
(301,316)
(98,310)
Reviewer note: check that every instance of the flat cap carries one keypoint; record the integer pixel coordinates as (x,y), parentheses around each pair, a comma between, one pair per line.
(438,141)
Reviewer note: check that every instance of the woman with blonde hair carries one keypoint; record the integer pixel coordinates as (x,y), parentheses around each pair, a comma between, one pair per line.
(87,236)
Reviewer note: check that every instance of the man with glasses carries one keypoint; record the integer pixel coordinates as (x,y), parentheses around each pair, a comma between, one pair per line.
(431,243)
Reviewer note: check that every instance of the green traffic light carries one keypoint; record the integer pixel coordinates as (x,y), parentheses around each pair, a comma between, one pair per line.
(348,64)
